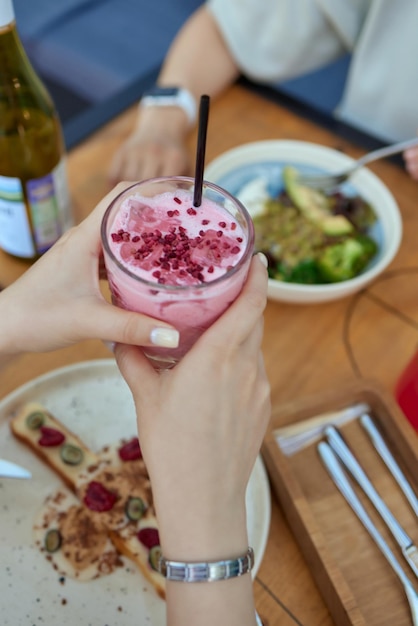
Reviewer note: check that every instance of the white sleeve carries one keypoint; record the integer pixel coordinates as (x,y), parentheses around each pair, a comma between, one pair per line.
(273,40)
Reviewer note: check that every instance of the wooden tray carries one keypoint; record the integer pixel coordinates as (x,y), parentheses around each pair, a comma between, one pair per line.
(356,582)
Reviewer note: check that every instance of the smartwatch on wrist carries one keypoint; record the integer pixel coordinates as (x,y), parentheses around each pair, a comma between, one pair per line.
(171,97)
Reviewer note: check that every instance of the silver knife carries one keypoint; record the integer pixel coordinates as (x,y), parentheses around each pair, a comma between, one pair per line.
(11,470)
(337,473)
(338,445)
(386,456)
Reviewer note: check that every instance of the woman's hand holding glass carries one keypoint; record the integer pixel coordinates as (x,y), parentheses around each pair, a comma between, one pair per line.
(201,425)
(214,405)
(58,300)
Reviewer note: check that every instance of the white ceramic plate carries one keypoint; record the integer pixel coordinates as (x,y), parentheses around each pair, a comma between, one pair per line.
(93,400)
(265,160)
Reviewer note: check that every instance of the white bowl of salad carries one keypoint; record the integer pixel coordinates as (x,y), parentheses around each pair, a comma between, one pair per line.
(320,247)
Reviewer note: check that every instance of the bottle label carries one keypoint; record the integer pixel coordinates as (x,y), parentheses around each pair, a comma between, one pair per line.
(49,208)
(15,234)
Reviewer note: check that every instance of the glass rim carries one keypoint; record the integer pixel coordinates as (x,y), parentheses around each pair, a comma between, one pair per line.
(178,288)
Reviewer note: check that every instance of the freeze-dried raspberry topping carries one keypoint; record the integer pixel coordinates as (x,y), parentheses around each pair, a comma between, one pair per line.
(50,437)
(130,451)
(98,498)
(175,254)
(149,537)
(176,246)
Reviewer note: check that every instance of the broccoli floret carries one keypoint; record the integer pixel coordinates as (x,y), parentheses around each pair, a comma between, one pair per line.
(306,272)
(346,259)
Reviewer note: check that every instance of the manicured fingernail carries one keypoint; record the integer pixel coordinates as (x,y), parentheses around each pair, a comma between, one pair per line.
(165,337)
(262,258)
(110,345)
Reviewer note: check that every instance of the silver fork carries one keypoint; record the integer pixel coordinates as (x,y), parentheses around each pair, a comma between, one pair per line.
(340,479)
(387,457)
(327,182)
(338,445)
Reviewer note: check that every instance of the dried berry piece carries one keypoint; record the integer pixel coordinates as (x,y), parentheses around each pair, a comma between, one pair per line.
(131,450)
(71,455)
(149,537)
(135,508)
(53,540)
(35,420)
(154,557)
(98,498)
(50,437)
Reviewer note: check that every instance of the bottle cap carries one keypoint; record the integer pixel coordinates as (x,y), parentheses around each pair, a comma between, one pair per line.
(7,14)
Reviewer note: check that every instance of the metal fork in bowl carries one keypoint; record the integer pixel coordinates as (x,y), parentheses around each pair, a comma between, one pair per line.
(327,182)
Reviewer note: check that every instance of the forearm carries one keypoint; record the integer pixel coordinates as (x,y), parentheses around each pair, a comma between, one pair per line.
(214,538)
(199,61)
(205,528)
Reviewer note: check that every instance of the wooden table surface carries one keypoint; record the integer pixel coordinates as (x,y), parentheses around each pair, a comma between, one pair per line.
(307,348)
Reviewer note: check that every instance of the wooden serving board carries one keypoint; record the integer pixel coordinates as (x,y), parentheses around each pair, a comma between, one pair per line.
(357,583)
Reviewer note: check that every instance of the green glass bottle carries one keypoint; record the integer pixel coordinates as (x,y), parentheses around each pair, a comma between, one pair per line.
(34,199)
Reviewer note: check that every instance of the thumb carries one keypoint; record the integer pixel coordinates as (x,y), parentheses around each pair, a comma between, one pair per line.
(111,323)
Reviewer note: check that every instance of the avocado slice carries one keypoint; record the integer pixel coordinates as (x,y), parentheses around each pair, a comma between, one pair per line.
(313,204)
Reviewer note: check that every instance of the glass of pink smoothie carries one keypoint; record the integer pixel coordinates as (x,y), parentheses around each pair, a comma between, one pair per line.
(176,262)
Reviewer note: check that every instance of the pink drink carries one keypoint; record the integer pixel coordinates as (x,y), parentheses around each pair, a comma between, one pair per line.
(176,262)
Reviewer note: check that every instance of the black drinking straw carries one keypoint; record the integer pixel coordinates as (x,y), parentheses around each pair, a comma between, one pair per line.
(201,149)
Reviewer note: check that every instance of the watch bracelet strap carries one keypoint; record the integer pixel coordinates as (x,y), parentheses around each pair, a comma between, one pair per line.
(206,571)
(184,100)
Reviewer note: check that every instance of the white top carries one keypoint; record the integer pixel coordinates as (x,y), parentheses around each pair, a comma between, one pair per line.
(7,13)
(274,40)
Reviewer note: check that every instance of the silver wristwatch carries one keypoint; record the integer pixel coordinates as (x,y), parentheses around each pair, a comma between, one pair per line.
(171,97)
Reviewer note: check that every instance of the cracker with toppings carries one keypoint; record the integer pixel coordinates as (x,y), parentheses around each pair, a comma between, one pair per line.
(53,443)
(109,510)
(74,542)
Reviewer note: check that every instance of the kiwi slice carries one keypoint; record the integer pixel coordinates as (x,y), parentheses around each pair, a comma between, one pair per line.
(135,508)
(35,420)
(70,454)
(154,557)
(53,540)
